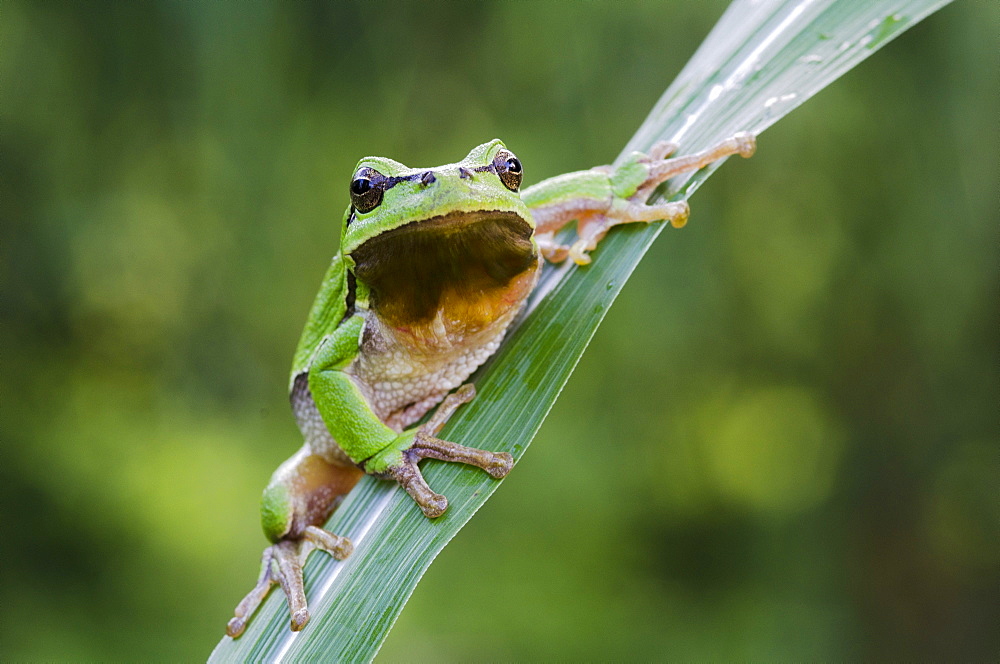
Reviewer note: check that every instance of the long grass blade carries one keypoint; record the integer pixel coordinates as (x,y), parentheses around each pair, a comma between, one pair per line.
(764,58)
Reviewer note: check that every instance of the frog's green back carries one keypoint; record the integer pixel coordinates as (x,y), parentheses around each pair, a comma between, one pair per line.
(327,311)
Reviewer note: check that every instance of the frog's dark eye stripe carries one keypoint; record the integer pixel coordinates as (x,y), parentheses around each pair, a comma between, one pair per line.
(367,178)
(368,187)
(425,178)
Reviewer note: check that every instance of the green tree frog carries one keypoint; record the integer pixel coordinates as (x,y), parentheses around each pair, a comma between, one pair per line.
(434,264)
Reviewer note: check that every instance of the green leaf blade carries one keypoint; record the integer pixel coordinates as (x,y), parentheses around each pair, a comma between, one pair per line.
(762,60)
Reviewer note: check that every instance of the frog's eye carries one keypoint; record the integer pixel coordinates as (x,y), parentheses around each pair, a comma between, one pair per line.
(508,167)
(367,188)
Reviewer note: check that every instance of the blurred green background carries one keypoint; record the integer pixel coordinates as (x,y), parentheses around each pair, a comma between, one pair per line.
(784,436)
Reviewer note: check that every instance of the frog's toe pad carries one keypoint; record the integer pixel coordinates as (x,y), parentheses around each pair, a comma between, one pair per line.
(235,626)
(746,144)
(435,506)
(299,619)
(500,466)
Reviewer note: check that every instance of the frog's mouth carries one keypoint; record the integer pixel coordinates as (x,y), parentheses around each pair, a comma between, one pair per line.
(461,264)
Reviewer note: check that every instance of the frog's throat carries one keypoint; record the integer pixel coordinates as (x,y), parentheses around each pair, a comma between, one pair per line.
(462,266)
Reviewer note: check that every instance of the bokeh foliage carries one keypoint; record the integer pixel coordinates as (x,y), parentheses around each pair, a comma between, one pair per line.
(819,346)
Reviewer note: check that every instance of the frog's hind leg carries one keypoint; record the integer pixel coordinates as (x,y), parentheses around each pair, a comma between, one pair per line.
(302,494)
(426,446)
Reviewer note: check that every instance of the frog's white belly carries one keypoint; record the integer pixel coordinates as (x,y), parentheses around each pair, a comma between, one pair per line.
(399,384)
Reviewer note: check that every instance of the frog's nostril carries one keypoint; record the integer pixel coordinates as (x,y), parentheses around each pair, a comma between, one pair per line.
(427,178)
(464,173)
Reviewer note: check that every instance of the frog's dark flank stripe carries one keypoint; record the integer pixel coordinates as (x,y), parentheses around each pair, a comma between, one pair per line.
(352,288)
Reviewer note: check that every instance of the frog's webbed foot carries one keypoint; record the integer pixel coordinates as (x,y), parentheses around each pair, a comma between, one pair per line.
(426,446)
(282,564)
(633,208)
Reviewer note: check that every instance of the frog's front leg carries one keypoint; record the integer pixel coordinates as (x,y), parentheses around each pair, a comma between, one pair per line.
(399,461)
(604,197)
(374,446)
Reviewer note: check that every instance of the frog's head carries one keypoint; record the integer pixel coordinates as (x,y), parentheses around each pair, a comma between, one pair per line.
(419,236)
(386,195)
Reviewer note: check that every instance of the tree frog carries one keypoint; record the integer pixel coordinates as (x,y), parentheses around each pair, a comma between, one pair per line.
(434,264)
